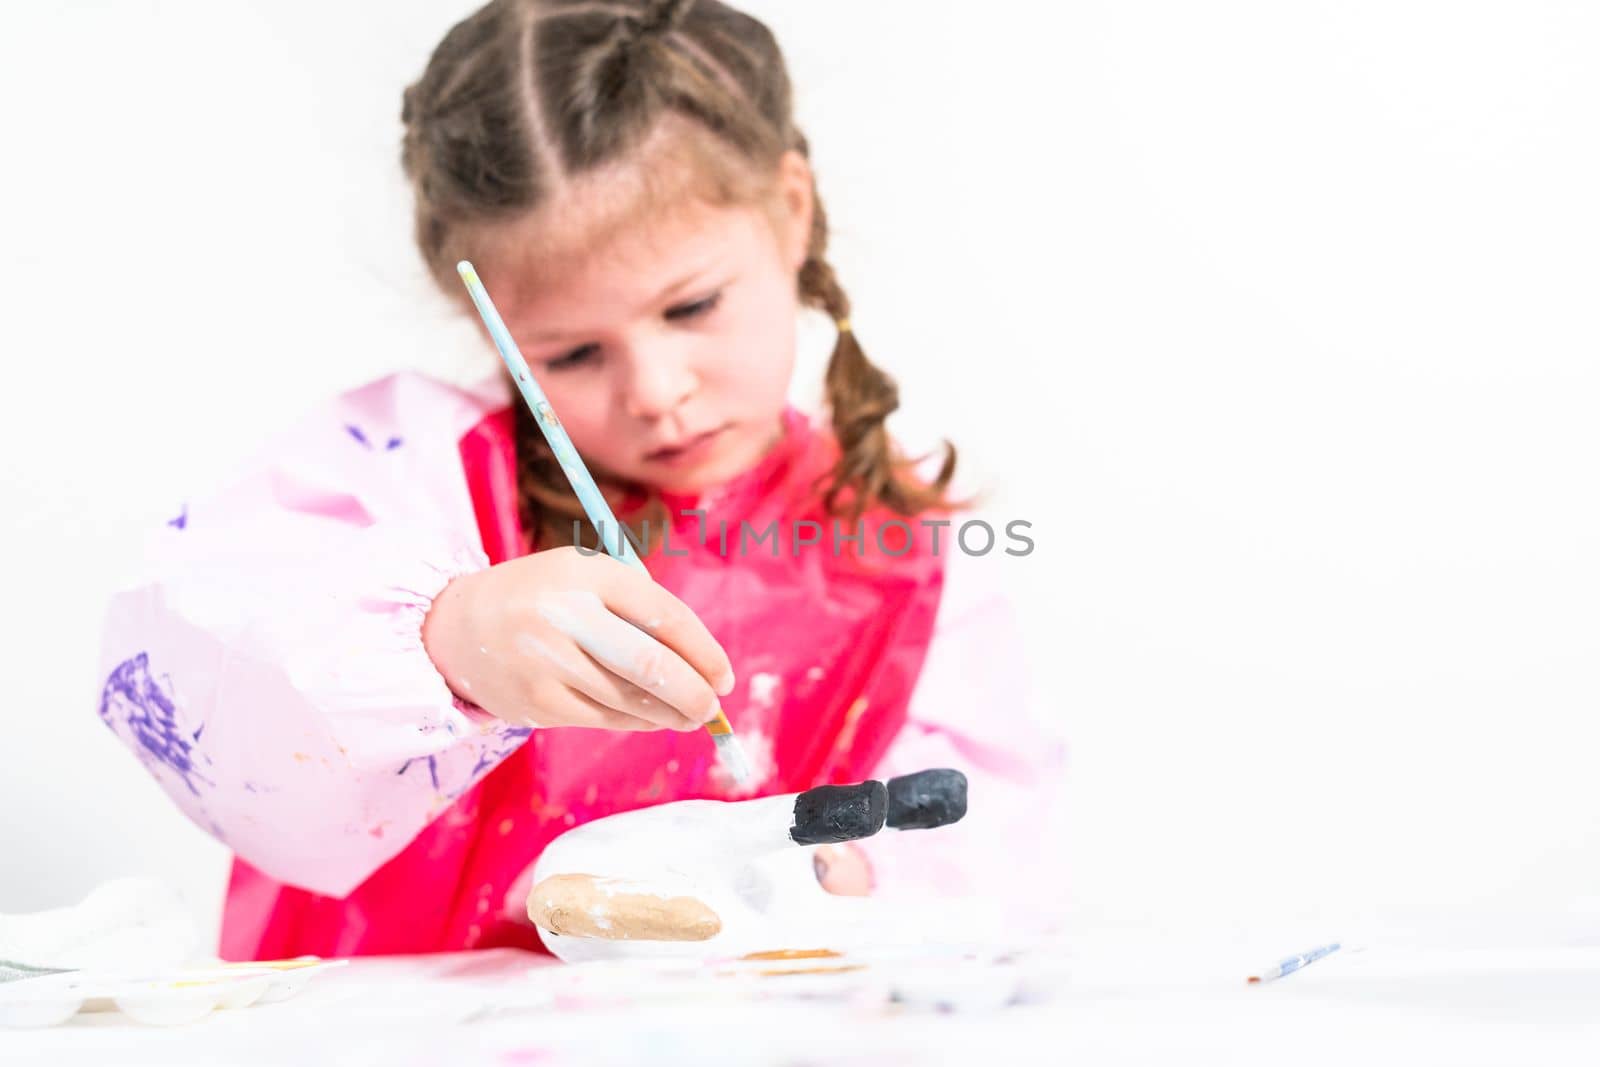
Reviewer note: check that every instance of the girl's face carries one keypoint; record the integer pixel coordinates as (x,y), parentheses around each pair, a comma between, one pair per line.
(666,349)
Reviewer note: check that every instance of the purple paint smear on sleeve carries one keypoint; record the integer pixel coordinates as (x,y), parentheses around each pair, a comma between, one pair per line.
(136,700)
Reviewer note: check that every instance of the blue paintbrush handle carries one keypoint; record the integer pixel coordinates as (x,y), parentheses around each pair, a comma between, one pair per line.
(583,483)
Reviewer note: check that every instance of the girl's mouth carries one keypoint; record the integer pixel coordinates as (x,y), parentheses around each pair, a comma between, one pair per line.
(689,451)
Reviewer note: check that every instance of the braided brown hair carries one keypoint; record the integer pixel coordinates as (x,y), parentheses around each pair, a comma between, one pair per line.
(525,95)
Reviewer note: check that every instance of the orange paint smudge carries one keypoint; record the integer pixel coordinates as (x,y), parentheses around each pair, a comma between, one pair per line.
(816,970)
(847,731)
(794,954)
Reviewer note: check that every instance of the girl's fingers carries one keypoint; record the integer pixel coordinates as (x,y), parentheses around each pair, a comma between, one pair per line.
(630,653)
(581,672)
(842,870)
(574,708)
(609,690)
(634,597)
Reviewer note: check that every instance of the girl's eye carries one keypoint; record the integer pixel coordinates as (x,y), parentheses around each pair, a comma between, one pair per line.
(574,358)
(694,310)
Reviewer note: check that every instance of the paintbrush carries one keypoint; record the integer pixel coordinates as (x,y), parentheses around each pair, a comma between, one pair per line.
(12,971)
(1292,964)
(594,504)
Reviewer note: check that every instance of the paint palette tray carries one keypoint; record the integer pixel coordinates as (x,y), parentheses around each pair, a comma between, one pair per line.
(916,979)
(49,998)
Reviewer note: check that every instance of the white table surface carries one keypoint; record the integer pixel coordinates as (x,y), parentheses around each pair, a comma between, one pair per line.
(1110,1003)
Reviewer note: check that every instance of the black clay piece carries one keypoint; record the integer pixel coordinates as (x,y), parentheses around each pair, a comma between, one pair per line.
(829,814)
(927,799)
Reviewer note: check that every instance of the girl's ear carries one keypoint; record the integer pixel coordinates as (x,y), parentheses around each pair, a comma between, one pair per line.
(797,192)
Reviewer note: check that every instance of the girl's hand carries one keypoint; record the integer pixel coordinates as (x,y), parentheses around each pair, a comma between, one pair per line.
(560,638)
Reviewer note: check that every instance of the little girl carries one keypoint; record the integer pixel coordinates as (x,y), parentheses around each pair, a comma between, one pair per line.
(386,666)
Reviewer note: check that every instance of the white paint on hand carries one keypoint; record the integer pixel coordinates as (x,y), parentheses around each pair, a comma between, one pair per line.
(533,648)
(619,645)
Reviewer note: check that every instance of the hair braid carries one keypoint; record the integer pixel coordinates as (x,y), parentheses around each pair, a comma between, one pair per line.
(861,397)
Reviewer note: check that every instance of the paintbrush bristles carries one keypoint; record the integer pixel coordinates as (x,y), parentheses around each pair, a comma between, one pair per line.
(729,751)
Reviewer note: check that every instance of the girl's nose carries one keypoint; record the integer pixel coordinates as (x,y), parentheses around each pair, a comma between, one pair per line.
(657,378)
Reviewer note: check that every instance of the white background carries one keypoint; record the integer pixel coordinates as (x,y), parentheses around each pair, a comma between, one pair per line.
(1278,321)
